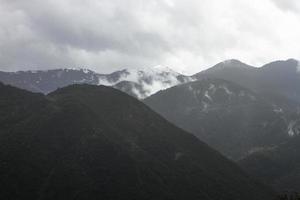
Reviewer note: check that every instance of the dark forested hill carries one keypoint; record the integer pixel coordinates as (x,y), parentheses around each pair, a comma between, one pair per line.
(278,166)
(94,142)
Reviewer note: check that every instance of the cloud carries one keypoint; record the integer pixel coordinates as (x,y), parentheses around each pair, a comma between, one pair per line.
(288,5)
(107,35)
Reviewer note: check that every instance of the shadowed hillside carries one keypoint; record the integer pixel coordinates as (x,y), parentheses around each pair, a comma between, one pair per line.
(90,142)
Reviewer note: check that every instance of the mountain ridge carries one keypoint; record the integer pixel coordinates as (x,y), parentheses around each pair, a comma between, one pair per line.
(279,77)
(269,78)
(148,80)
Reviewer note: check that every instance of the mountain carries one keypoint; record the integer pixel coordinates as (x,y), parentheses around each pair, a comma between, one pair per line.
(233,119)
(139,83)
(282,77)
(254,120)
(279,77)
(94,142)
(232,70)
(278,166)
(145,81)
(50,80)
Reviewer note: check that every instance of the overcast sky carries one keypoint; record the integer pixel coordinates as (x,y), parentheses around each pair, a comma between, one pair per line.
(185,35)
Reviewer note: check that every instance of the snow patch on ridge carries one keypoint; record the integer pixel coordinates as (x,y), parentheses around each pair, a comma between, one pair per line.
(212,88)
(298,67)
(207,95)
(277,109)
(293,128)
(226,90)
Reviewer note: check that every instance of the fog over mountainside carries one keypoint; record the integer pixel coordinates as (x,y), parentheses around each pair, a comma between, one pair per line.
(139,83)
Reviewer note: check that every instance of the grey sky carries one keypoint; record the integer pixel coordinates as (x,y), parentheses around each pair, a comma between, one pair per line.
(106,35)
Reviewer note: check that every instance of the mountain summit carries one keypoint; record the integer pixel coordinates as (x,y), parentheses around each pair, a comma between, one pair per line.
(231,63)
(279,77)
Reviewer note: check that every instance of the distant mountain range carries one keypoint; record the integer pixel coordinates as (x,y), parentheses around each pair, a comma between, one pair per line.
(139,83)
(280,77)
(95,142)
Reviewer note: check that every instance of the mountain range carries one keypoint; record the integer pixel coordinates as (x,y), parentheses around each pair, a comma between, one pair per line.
(251,115)
(278,77)
(139,83)
(95,142)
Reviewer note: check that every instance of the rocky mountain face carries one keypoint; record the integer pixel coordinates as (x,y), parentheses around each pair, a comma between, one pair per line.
(95,142)
(139,83)
(234,120)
